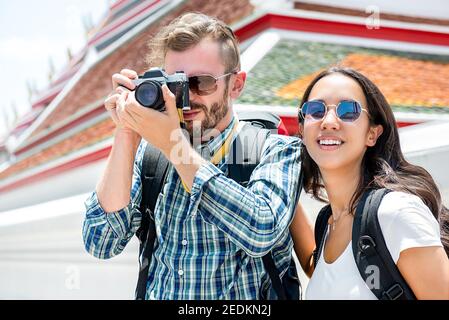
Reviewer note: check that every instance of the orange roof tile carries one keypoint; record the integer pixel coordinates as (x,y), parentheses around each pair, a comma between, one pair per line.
(83,139)
(403,81)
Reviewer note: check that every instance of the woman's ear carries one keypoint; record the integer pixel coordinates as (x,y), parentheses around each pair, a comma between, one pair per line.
(373,134)
(238,84)
(301,131)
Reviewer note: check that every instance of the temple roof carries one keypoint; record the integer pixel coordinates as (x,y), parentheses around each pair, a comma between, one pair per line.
(410,81)
(412,77)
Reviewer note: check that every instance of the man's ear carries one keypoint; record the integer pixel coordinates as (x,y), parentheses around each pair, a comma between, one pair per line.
(238,84)
(373,134)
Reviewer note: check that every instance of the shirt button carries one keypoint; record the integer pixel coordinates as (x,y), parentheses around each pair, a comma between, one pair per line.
(180,272)
(184,242)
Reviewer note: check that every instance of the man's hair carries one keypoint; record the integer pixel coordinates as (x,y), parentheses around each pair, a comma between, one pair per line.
(187,31)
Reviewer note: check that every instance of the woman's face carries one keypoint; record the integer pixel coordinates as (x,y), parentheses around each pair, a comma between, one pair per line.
(332,143)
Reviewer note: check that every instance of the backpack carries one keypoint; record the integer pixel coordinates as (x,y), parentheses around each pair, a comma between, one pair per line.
(370,251)
(257,127)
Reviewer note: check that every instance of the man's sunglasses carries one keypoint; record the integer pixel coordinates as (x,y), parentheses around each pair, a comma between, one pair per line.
(346,110)
(205,84)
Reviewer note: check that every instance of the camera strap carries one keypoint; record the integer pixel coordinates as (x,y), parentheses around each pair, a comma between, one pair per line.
(224,149)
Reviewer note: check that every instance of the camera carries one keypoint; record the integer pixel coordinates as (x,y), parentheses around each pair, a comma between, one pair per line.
(148,91)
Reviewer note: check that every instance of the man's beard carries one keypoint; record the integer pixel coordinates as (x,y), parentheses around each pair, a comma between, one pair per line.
(212,117)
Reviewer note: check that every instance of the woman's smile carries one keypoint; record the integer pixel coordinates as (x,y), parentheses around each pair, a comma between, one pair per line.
(329,143)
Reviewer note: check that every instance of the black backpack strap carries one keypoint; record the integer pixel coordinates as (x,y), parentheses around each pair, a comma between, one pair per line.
(246,152)
(321,223)
(261,119)
(154,170)
(374,261)
(273,273)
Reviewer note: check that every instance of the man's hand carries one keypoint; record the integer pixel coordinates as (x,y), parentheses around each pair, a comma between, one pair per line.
(121,86)
(161,129)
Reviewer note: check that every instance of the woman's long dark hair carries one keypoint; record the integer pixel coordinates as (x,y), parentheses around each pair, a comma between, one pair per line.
(383,165)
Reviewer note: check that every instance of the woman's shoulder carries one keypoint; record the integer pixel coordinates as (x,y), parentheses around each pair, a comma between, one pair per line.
(395,202)
(406,222)
(399,207)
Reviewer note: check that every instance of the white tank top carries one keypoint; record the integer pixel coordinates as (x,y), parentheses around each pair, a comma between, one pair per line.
(406,222)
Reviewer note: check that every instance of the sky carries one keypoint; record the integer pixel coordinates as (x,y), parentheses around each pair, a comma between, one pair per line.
(33,32)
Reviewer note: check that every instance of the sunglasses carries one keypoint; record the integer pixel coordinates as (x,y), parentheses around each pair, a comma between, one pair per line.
(346,110)
(205,84)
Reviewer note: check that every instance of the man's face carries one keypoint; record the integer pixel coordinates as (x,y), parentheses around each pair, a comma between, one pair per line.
(207,111)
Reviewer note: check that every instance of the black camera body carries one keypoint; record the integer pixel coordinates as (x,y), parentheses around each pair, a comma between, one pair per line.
(148,91)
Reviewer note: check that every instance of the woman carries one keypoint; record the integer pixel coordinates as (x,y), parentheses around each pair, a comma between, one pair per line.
(350,143)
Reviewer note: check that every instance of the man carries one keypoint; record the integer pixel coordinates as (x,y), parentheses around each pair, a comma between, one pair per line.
(211,231)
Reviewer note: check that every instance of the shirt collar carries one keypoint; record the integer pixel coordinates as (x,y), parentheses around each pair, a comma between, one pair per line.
(214,144)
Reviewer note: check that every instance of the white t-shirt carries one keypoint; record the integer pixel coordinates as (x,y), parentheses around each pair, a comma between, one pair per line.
(406,222)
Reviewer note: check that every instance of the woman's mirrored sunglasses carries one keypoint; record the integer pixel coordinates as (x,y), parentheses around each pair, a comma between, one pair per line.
(346,110)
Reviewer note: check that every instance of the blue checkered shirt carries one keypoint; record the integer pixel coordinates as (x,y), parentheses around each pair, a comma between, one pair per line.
(210,242)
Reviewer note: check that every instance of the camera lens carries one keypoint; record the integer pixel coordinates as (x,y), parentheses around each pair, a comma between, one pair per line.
(148,94)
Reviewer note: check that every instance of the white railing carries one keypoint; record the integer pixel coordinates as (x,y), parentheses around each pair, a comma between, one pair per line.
(42,256)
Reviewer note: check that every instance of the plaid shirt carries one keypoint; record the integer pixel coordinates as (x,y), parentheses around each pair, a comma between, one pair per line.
(210,242)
